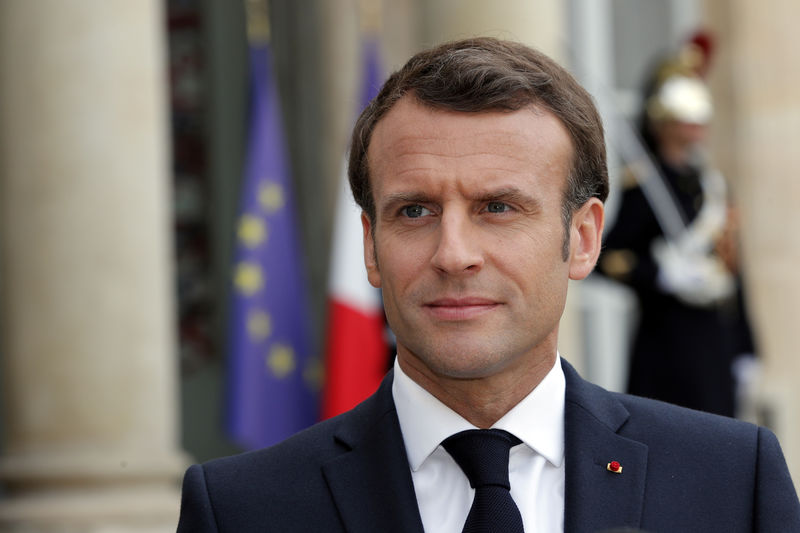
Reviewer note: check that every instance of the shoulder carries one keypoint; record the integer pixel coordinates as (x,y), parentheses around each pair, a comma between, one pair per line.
(302,451)
(672,434)
(718,471)
(695,457)
(282,485)
(293,463)
(658,424)
(309,449)
(700,455)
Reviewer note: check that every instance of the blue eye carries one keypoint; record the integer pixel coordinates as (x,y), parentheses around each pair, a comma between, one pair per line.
(497,207)
(415,211)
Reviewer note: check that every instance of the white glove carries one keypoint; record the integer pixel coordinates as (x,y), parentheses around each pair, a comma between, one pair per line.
(695,278)
(747,372)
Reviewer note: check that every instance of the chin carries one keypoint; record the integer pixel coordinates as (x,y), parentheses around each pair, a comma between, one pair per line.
(460,364)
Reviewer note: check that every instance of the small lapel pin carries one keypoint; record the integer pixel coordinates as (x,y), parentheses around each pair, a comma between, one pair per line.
(615,467)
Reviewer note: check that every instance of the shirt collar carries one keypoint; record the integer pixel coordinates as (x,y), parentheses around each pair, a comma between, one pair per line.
(537,420)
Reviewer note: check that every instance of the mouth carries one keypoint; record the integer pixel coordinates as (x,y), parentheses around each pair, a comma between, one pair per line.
(458,309)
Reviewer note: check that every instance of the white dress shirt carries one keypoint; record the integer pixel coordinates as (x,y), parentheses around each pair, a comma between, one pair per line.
(536,467)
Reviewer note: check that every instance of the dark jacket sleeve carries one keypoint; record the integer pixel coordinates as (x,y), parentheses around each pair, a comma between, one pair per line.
(197,515)
(626,246)
(776,506)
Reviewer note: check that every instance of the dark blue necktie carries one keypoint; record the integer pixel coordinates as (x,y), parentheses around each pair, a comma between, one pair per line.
(483,456)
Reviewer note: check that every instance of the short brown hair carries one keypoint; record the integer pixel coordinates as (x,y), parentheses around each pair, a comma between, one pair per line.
(484,74)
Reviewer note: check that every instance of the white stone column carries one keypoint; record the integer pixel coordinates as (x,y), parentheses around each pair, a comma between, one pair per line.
(541,24)
(757,129)
(89,369)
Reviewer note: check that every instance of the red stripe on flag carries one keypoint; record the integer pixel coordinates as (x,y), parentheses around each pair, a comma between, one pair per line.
(356,357)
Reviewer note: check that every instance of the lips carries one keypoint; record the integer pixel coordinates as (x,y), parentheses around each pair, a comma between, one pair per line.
(455,309)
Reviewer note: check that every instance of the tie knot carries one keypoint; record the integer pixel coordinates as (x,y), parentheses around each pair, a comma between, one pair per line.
(483,455)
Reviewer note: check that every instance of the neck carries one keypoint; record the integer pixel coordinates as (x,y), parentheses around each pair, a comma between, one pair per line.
(481,401)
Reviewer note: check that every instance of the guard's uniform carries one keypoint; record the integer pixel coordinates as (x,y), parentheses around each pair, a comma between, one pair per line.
(682,352)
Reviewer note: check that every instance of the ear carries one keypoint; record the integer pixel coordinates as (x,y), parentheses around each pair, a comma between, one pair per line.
(586,234)
(370,259)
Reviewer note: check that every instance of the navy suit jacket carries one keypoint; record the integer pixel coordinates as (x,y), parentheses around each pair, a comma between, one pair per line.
(682,471)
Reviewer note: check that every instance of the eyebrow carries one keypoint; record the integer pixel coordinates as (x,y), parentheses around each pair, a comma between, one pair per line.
(392,201)
(510,194)
(406,197)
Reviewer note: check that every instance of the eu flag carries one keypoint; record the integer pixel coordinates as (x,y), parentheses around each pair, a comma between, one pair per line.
(273,378)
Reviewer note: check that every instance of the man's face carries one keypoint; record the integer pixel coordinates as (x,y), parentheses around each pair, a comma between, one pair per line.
(684,134)
(467,243)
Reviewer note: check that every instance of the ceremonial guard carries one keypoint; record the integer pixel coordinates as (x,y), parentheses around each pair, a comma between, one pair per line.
(673,242)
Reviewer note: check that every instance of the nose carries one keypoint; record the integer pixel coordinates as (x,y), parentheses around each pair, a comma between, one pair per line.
(458,249)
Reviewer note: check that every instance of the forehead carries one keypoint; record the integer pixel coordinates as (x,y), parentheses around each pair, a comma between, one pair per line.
(413,139)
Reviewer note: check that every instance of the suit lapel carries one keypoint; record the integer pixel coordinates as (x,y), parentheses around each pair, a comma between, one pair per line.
(595,498)
(373,491)
(371,483)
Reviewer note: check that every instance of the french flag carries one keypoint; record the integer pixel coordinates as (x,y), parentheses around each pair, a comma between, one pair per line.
(356,351)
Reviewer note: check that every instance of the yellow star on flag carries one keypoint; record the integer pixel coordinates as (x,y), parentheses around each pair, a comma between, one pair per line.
(249,278)
(259,325)
(281,360)
(252,230)
(271,197)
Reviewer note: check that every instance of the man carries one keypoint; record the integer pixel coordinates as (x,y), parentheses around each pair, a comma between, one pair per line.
(481,171)
(693,330)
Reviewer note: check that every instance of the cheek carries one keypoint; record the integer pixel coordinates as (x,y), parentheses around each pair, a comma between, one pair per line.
(540,247)
(398,264)
(536,262)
